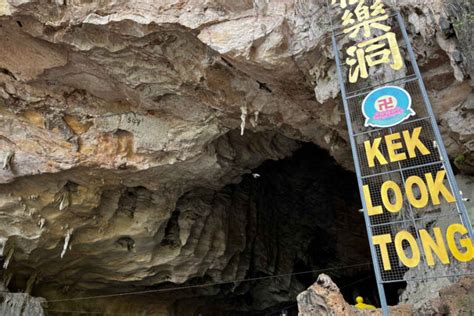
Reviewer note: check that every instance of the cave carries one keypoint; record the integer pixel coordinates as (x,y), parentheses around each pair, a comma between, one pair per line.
(287,220)
(307,218)
(301,214)
(185,158)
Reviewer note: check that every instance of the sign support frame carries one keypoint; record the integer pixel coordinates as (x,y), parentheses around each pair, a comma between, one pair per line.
(444,155)
(380,287)
(416,76)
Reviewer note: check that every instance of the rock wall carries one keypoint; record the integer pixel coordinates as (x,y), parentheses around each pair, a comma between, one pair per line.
(120,122)
(246,230)
(324,298)
(20,304)
(419,293)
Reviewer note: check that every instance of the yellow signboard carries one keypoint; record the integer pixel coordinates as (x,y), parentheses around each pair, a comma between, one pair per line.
(418,192)
(371,51)
(370,42)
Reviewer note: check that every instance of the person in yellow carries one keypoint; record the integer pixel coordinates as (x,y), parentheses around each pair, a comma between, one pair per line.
(360,304)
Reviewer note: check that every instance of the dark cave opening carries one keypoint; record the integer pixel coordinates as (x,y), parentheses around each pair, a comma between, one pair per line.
(307,218)
(301,219)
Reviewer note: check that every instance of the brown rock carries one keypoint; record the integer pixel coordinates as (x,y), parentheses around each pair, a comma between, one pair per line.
(324,298)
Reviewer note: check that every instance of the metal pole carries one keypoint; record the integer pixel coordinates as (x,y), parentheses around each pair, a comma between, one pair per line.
(434,125)
(383,301)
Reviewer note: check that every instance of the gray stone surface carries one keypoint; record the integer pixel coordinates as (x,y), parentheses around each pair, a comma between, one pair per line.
(20,304)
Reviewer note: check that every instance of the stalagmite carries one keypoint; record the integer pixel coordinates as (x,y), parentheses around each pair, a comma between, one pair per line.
(66,241)
(243,118)
(8,258)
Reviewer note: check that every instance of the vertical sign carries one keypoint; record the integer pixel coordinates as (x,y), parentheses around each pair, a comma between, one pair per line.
(413,209)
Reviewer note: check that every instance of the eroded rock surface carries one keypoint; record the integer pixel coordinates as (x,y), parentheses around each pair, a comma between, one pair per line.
(121,122)
(20,304)
(323,298)
(455,299)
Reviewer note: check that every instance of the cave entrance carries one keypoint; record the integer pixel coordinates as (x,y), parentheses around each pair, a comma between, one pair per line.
(283,224)
(307,219)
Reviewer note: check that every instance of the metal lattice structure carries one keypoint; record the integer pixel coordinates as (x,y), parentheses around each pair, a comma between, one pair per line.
(408,218)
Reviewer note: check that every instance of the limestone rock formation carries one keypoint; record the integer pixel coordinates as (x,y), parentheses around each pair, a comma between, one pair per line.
(121,144)
(420,293)
(455,299)
(323,298)
(19,304)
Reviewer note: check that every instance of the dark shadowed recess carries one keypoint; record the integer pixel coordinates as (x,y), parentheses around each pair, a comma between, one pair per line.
(307,219)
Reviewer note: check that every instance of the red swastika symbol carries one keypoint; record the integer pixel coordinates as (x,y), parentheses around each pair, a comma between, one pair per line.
(385,104)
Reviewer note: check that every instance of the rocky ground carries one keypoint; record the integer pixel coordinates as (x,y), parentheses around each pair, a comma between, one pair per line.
(129,132)
(324,298)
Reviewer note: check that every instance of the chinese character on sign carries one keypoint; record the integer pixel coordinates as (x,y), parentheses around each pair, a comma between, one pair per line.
(343,3)
(365,18)
(362,20)
(371,53)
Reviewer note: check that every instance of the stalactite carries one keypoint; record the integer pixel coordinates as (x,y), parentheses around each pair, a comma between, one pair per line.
(31,281)
(7,277)
(64,200)
(7,160)
(66,241)
(254,119)
(243,118)
(8,258)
